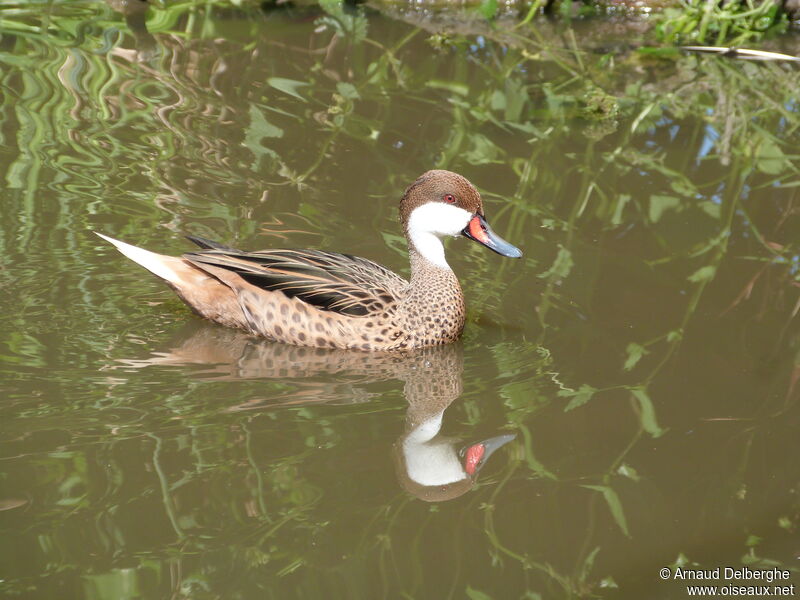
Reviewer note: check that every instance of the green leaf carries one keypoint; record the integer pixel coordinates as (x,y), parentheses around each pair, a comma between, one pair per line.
(488,8)
(659,52)
(660,204)
(588,563)
(474,594)
(347,90)
(681,561)
(350,25)
(674,336)
(287,86)
(530,128)
(635,352)
(711,209)
(117,583)
(451,86)
(516,98)
(258,129)
(703,274)
(647,413)
(497,101)
(614,505)
(621,202)
(609,583)
(332,7)
(752,541)
(771,159)
(562,265)
(579,398)
(628,471)
(483,150)
(533,463)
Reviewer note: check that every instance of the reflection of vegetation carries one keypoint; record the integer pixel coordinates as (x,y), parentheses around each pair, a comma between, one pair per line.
(638,188)
(732,23)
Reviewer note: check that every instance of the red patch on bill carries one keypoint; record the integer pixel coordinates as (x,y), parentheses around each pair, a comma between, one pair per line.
(476,230)
(474,456)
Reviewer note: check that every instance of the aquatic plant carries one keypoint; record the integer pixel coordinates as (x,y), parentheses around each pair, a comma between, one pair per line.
(720,23)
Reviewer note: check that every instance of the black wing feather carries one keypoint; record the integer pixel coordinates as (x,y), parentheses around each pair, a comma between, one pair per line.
(207,244)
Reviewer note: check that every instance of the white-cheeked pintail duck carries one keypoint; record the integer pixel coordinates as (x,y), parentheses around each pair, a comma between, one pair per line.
(326,299)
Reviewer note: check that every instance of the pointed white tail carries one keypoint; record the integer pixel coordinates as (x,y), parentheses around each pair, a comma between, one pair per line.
(166,267)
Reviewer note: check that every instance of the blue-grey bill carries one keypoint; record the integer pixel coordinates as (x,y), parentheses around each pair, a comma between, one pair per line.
(495,443)
(478,230)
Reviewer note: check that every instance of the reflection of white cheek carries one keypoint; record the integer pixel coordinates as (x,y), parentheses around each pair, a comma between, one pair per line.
(429,462)
(433,464)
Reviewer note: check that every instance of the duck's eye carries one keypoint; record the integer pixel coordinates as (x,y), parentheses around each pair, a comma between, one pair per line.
(449,198)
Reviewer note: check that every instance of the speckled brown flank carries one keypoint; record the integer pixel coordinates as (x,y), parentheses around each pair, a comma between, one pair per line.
(329,300)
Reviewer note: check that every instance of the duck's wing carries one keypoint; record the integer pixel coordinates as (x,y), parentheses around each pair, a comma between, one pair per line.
(342,283)
(207,244)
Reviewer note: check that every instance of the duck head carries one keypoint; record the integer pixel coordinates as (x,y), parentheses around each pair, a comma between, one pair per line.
(443,203)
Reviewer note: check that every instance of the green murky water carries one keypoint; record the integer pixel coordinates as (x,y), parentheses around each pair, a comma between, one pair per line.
(644,352)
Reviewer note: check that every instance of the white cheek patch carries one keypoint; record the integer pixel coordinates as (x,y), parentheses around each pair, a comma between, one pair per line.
(438,218)
(431,221)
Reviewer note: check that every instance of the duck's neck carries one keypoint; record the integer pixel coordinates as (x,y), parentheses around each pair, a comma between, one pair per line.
(434,302)
(428,265)
(427,247)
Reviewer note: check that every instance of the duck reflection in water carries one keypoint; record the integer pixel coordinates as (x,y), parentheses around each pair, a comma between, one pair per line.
(430,466)
(145,45)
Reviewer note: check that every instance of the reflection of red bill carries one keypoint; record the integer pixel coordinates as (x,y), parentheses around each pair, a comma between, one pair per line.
(476,230)
(474,455)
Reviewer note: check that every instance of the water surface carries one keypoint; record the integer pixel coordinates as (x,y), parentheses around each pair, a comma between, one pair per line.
(644,352)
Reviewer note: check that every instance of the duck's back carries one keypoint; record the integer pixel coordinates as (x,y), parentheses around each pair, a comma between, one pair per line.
(311,297)
(341,283)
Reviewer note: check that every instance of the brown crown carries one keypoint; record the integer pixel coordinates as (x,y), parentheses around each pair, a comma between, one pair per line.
(434,186)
